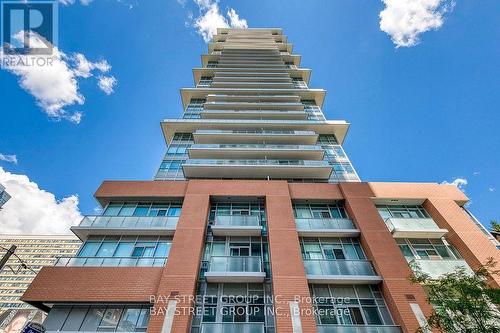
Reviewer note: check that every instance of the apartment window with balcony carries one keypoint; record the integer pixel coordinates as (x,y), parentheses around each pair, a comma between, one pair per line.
(290,65)
(212,64)
(98,318)
(195,105)
(225,209)
(349,305)
(115,251)
(233,307)
(319,211)
(402,212)
(142,209)
(427,249)
(331,249)
(205,81)
(219,247)
(327,139)
(299,83)
(334,152)
(183,137)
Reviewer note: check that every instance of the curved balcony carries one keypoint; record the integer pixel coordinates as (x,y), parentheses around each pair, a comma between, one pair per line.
(110,262)
(125,225)
(236,225)
(326,228)
(256,169)
(414,228)
(341,271)
(226,269)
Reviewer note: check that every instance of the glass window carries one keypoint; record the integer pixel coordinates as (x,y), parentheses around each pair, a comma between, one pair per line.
(107,249)
(112,210)
(141,210)
(124,249)
(89,249)
(75,318)
(110,319)
(93,318)
(128,320)
(127,210)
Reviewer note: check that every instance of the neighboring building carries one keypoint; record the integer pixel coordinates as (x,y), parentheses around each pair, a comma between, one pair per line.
(36,252)
(257,221)
(4,196)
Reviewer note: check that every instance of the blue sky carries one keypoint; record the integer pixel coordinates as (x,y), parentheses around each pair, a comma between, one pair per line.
(425,113)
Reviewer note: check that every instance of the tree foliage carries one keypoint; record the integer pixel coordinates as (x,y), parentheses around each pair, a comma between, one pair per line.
(462,302)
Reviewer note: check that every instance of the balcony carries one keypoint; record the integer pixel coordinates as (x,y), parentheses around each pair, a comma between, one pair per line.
(340,271)
(437,268)
(414,228)
(235,269)
(326,228)
(253,106)
(256,151)
(236,225)
(125,225)
(253,114)
(358,329)
(256,169)
(249,136)
(232,328)
(110,262)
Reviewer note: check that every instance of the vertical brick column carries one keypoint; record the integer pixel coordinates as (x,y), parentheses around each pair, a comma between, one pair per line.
(386,256)
(289,280)
(463,234)
(181,272)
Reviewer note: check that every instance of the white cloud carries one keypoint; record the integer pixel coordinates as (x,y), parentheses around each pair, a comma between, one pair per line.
(53,79)
(8,158)
(107,84)
(32,210)
(476,173)
(458,182)
(235,21)
(210,19)
(405,20)
(491,189)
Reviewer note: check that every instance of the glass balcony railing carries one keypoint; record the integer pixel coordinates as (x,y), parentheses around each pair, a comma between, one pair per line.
(299,163)
(358,329)
(232,328)
(339,267)
(237,221)
(324,224)
(270,132)
(414,227)
(437,268)
(235,264)
(255,146)
(110,262)
(130,222)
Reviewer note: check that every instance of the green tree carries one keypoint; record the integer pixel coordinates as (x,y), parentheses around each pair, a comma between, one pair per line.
(495,226)
(462,302)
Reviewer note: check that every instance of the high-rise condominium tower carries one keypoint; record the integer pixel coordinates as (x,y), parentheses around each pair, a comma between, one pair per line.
(256,220)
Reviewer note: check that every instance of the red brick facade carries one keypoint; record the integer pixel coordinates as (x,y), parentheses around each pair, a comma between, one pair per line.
(180,275)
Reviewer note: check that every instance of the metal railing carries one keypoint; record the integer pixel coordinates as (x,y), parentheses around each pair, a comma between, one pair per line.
(358,329)
(235,264)
(339,267)
(130,222)
(324,224)
(411,224)
(232,328)
(110,262)
(237,221)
